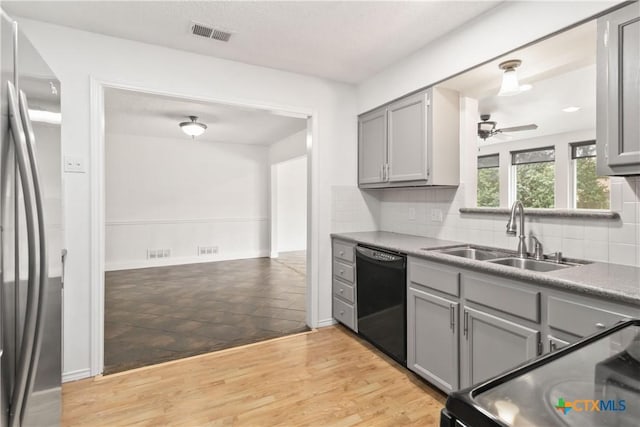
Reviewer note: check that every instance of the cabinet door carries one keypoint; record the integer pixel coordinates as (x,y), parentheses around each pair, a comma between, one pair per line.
(432,338)
(407,139)
(556,343)
(372,146)
(619,89)
(492,345)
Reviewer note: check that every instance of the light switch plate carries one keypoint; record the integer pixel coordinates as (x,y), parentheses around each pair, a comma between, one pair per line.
(436,215)
(74,164)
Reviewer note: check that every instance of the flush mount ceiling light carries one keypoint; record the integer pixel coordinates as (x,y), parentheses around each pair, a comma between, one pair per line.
(193,128)
(510,85)
(571,109)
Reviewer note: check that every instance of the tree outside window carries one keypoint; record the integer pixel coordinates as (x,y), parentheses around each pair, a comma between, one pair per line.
(488,181)
(590,191)
(535,177)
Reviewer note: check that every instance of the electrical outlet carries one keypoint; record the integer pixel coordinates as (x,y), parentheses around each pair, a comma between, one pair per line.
(158,253)
(207,250)
(74,164)
(436,215)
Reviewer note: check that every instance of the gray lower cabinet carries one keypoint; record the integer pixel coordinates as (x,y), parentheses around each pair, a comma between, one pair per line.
(556,343)
(344,284)
(618,92)
(492,345)
(432,338)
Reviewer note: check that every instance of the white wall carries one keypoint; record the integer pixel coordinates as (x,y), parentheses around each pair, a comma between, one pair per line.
(498,31)
(76,56)
(179,194)
(616,241)
(289,148)
(291,201)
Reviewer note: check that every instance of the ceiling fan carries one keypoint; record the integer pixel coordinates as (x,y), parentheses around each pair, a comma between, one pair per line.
(487,128)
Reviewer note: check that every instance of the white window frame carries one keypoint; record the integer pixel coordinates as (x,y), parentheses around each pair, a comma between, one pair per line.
(564,168)
(573,176)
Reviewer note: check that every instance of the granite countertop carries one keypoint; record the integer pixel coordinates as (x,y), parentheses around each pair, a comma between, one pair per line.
(612,281)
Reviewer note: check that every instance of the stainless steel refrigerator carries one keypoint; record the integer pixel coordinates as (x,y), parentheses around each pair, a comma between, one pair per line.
(31,267)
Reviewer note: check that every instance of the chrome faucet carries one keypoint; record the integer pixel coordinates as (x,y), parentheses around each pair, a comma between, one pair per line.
(511,227)
(538,252)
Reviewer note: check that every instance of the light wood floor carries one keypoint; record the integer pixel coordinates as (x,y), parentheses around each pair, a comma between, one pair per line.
(327,377)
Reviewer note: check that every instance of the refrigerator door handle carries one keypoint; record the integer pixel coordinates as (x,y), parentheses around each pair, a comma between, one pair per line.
(21,391)
(42,242)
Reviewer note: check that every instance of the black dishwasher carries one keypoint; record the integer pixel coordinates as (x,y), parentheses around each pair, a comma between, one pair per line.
(382,300)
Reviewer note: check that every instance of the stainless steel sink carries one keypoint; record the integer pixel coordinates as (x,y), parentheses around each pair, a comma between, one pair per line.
(472,252)
(530,264)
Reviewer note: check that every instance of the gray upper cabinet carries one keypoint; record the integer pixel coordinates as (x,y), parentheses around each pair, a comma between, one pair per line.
(411,142)
(407,150)
(618,92)
(372,146)
(492,345)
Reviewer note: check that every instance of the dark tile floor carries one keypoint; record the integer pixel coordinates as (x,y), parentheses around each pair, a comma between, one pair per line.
(153,315)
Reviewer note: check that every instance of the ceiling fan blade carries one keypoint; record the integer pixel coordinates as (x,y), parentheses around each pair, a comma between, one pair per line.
(519,128)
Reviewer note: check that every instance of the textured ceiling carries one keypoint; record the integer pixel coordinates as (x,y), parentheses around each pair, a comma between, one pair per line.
(144,114)
(346,41)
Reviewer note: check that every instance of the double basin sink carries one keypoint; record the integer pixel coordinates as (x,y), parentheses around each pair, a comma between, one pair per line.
(506,258)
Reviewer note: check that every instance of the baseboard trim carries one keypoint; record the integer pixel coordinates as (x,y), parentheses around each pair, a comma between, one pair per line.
(76,375)
(144,263)
(326,322)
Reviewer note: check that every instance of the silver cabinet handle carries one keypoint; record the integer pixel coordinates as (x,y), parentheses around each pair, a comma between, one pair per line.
(341,290)
(466,324)
(452,318)
(341,272)
(552,345)
(64,265)
(341,312)
(600,325)
(341,253)
(21,389)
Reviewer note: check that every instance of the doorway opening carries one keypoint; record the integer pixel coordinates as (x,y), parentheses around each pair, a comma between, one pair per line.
(190,227)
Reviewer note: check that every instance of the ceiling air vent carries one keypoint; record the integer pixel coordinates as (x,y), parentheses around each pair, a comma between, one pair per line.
(209,32)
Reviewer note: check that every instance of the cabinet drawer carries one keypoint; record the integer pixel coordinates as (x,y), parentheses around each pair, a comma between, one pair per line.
(424,273)
(344,313)
(580,319)
(519,302)
(343,271)
(343,290)
(343,251)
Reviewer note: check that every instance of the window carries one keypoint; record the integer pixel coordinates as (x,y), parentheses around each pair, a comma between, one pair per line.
(590,191)
(488,181)
(534,176)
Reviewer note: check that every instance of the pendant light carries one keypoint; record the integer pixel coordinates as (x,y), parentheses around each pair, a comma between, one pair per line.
(193,128)
(510,85)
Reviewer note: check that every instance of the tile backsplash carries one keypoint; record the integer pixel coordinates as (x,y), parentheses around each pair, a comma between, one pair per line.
(434,212)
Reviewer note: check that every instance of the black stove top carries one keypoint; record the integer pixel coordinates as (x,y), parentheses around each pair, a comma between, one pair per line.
(594,382)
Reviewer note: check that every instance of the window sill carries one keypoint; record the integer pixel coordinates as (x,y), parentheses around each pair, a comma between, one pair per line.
(551,213)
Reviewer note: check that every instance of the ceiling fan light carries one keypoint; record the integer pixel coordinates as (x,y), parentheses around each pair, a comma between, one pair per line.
(486,126)
(571,109)
(510,85)
(193,128)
